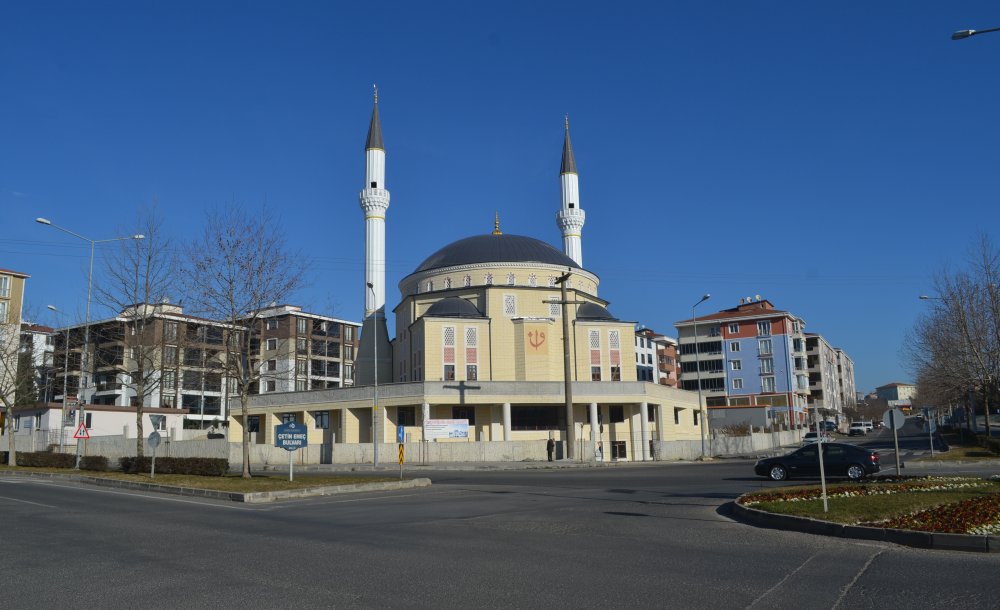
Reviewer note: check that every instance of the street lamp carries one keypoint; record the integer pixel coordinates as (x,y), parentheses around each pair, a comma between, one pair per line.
(86,328)
(959,35)
(371,287)
(697,369)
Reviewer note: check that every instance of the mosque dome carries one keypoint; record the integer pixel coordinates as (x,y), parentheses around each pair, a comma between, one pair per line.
(453,307)
(496,248)
(594,312)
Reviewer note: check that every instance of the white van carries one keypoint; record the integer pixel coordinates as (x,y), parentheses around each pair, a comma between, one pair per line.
(858,428)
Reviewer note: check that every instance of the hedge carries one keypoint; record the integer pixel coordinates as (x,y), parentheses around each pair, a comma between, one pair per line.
(44,459)
(94,462)
(211,467)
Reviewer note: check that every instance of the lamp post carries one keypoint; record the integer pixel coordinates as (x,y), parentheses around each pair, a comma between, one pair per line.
(697,369)
(375,370)
(62,418)
(86,328)
(959,35)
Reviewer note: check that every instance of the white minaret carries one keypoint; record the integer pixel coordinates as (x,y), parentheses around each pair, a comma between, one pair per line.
(570,217)
(374,202)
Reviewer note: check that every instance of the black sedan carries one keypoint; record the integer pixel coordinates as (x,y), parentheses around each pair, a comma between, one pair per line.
(839,460)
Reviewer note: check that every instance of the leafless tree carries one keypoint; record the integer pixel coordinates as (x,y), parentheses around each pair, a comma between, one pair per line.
(955,348)
(12,376)
(138,280)
(240,265)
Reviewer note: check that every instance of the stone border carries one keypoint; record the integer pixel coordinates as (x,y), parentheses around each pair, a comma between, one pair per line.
(260,497)
(922,540)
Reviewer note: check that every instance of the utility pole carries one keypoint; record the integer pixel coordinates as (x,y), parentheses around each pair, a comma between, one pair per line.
(567,375)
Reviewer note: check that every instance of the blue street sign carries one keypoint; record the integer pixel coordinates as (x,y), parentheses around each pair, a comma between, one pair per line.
(291,436)
(400,434)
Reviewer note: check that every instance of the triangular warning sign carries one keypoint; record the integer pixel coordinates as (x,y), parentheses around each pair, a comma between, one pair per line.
(82,432)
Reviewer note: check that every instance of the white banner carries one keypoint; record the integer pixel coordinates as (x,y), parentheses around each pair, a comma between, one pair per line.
(446,428)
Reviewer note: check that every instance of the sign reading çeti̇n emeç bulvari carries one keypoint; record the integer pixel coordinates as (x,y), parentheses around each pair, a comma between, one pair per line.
(291,436)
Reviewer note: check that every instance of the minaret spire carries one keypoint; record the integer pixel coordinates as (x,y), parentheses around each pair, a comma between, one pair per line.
(571,217)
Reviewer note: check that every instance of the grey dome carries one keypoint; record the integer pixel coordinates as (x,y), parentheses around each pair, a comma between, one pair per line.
(453,307)
(496,249)
(593,311)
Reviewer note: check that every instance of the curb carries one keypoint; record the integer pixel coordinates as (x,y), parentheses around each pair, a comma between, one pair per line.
(259,497)
(922,540)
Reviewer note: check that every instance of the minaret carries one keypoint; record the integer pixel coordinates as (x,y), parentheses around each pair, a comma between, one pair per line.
(374,203)
(571,217)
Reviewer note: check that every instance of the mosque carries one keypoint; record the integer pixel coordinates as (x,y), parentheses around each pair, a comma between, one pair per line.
(487,329)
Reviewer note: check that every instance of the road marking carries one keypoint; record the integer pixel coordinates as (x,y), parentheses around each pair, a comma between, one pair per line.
(864,568)
(782,581)
(148,497)
(27,502)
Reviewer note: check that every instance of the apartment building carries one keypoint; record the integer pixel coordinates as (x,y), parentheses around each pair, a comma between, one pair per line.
(36,354)
(182,358)
(845,380)
(749,363)
(11,301)
(824,378)
(666,356)
(305,351)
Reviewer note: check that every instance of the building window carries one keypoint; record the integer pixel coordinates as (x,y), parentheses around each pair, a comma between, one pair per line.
(488,280)
(510,305)
(406,416)
(272,365)
(301,367)
(552,281)
(322,419)
(734,346)
(736,365)
(555,309)
(429,286)
(734,327)
(595,373)
(253,423)
(288,418)
(348,333)
(511,279)
(447,283)
(468,413)
(5,286)
(737,383)
(170,355)
(449,372)
(616,414)
(532,280)
(471,372)
(169,380)
(767,365)
(796,327)
(301,385)
(767,384)
(301,325)
(170,331)
(764,328)
(797,345)
(272,344)
(467,281)
(713,331)
(616,374)
(269,385)
(271,324)
(764,346)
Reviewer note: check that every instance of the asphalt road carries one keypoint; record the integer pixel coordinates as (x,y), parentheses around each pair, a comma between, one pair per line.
(645,536)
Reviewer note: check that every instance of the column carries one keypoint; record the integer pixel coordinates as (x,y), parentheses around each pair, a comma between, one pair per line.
(506,421)
(644,427)
(595,432)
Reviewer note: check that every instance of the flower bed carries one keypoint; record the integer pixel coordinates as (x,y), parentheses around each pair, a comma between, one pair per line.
(972,516)
(885,486)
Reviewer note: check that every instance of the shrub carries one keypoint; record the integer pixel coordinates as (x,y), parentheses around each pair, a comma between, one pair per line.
(211,467)
(94,462)
(44,459)
(740,429)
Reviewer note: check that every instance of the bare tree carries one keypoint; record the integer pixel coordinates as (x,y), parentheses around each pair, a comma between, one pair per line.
(955,349)
(12,376)
(138,281)
(239,266)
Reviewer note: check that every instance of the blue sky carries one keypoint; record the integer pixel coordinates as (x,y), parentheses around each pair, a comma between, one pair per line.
(830,157)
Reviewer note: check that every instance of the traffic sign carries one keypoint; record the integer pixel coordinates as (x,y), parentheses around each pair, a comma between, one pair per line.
(154,439)
(82,432)
(401,454)
(893,417)
(400,434)
(291,436)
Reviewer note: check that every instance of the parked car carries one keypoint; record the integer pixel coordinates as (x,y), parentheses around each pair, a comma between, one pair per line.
(812,437)
(839,460)
(829,426)
(858,428)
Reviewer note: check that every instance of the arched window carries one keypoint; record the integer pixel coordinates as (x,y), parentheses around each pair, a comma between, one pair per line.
(510,279)
(467,281)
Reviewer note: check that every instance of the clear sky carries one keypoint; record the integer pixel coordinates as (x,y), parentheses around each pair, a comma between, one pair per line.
(828,156)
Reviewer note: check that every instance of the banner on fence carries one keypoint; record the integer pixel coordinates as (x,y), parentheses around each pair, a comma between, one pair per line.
(446,428)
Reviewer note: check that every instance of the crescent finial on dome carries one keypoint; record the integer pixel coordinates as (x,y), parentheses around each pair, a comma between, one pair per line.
(496,224)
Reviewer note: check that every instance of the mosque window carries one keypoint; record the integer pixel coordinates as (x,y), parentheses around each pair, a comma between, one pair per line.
(467,281)
(449,372)
(552,281)
(488,280)
(510,279)
(471,344)
(429,286)
(447,283)
(471,372)
(595,373)
(555,309)
(532,280)
(510,305)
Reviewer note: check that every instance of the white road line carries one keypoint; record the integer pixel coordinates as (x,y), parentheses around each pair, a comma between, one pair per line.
(863,569)
(27,502)
(782,581)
